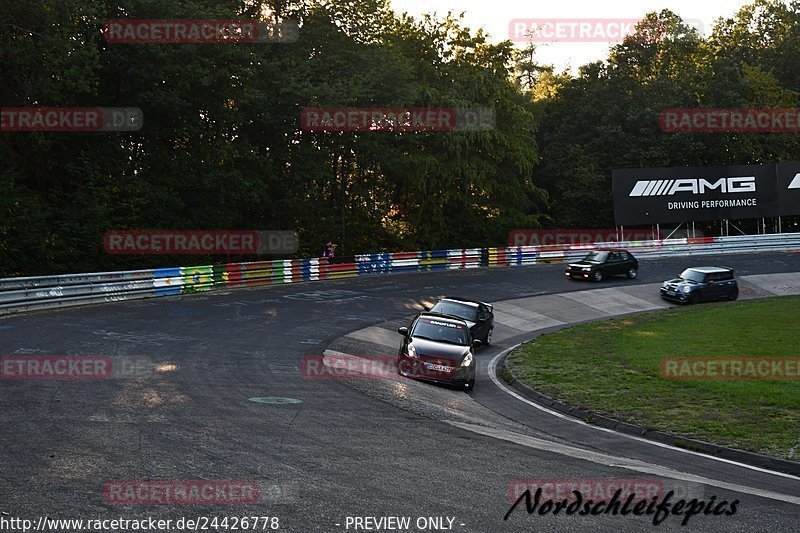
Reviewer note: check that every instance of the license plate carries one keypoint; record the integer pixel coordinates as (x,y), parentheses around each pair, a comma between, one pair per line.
(438,368)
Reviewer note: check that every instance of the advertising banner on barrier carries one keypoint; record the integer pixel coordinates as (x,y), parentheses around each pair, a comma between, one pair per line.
(680,194)
(789,188)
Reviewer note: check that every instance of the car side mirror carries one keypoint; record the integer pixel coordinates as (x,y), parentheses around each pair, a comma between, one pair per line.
(477,343)
(403,331)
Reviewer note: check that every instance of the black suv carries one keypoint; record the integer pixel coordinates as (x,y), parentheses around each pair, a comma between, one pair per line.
(701,284)
(600,264)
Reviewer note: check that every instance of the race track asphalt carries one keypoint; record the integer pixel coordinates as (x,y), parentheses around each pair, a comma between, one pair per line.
(178,407)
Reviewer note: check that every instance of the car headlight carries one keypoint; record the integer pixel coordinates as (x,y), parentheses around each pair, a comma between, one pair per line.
(586,269)
(467,360)
(686,289)
(665,285)
(412,352)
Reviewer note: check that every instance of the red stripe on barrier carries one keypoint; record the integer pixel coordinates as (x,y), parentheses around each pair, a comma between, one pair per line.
(257,281)
(257,265)
(405,255)
(700,240)
(297,270)
(257,273)
(554,248)
(233,273)
(342,267)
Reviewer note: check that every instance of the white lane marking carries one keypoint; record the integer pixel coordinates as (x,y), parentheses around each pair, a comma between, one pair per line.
(505,389)
(619,462)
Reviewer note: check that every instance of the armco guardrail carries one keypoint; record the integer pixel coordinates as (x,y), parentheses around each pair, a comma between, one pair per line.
(43,292)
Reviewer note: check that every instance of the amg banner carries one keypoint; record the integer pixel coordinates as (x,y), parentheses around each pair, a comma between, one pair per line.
(789,188)
(682,194)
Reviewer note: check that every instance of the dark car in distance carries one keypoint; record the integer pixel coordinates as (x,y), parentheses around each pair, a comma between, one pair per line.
(438,348)
(701,284)
(479,316)
(600,264)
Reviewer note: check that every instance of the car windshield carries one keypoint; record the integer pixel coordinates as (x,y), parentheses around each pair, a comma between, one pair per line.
(692,275)
(441,331)
(467,312)
(599,257)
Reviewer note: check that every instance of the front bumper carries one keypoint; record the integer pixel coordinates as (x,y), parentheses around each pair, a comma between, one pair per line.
(675,296)
(415,368)
(578,274)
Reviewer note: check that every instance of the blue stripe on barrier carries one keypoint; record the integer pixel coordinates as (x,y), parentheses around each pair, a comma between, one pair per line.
(374,263)
(433,255)
(305,269)
(167,287)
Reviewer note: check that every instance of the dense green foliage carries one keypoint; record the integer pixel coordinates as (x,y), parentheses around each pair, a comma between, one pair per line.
(221,147)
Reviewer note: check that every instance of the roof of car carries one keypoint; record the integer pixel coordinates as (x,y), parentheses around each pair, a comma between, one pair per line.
(710,269)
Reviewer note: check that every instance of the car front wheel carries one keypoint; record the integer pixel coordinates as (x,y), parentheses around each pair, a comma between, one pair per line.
(734,294)
(694,298)
(632,273)
(598,276)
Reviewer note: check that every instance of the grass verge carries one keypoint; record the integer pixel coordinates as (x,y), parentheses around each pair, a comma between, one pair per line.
(612,368)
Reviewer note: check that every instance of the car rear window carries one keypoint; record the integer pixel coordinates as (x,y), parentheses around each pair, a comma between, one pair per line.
(441,330)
